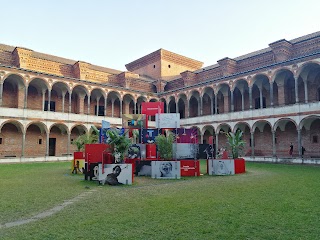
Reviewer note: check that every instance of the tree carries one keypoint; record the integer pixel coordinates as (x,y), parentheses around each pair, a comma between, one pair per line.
(87,138)
(164,144)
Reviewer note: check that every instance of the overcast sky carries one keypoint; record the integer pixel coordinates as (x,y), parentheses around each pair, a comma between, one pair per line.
(113,33)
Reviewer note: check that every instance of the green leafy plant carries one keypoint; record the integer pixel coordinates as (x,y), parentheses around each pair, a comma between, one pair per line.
(120,143)
(87,138)
(164,144)
(235,142)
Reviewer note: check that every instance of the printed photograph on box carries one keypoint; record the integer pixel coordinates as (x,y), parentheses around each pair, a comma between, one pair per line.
(184,135)
(148,135)
(221,167)
(134,152)
(168,120)
(133,121)
(206,151)
(115,174)
(165,169)
(184,150)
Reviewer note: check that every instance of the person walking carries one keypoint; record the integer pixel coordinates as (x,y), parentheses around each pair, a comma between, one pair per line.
(291,150)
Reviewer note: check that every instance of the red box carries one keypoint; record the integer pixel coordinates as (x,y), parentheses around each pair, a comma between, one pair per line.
(151,108)
(151,151)
(239,165)
(189,168)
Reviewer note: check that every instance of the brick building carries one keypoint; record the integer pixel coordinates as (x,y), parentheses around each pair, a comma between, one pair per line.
(273,95)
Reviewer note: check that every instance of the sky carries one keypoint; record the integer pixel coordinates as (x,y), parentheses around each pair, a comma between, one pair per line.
(112,33)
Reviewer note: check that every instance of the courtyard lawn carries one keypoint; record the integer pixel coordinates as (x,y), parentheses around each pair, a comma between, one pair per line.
(269,201)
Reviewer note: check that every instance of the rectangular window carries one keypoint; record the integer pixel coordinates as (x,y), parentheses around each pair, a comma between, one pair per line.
(0,140)
(40,141)
(52,106)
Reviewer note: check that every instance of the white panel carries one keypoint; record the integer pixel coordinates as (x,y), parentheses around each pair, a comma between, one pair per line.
(168,120)
(165,169)
(221,167)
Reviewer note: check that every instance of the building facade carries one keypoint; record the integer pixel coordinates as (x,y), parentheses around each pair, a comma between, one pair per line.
(272,95)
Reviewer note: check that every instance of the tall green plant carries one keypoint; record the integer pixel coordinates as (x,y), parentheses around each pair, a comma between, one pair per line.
(164,144)
(235,142)
(87,138)
(120,143)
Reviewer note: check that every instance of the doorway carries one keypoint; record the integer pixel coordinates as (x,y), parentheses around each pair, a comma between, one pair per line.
(52,146)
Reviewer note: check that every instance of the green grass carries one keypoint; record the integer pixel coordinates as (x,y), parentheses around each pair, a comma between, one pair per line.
(267,202)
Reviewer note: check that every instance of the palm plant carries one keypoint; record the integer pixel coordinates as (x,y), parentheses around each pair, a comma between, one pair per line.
(87,138)
(120,143)
(235,142)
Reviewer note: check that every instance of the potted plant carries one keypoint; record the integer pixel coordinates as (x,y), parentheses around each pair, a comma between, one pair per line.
(120,144)
(237,144)
(164,145)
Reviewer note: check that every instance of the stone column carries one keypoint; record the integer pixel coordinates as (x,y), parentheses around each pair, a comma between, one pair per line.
(1,92)
(177,107)
(49,99)
(26,97)
(305,91)
(47,144)
(70,93)
(232,103)
(250,97)
(68,145)
(23,144)
(261,98)
(98,100)
(105,106)
(63,95)
(88,110)
(43,99)
(216,103)
(200,107)
(211,106)
(135,107)
(112,107)
(120,108)
(274,143)
(271,94)
(296,92)
(252,144)
(217,147)
(242,100)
